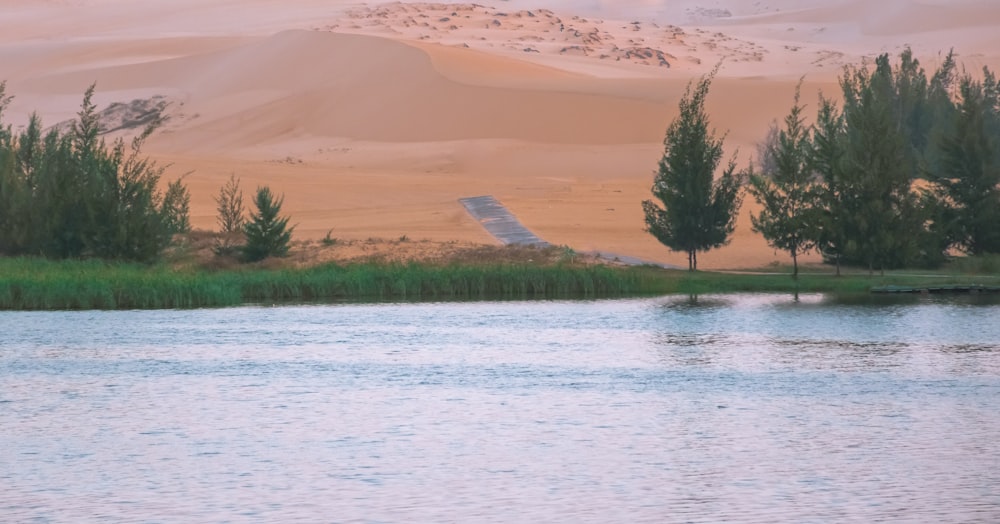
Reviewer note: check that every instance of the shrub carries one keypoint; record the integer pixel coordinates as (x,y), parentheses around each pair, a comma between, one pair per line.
(267,234)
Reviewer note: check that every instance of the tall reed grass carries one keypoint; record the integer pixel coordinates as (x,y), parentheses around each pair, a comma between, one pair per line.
(32,283)
(29,283)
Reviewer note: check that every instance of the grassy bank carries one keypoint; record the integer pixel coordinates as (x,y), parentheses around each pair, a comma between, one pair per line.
(41,284)
(29,283)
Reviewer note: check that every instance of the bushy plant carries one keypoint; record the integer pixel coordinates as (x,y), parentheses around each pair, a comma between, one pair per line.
(267,234)
(70,195)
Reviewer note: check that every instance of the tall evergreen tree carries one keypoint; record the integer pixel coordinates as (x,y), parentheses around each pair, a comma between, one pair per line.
(876,175)
(698,213)
(827,159)
(267,234)
(10,184)
(941,108)
(784,189)
(912,109)
(968,181)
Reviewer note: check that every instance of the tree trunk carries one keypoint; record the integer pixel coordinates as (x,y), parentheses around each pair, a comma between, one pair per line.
(837,258)
(795,264)
(694,260)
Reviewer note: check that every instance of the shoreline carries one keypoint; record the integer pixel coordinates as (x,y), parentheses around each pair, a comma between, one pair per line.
(37,284)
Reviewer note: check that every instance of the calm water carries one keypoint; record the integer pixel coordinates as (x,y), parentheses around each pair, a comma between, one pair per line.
(749,408)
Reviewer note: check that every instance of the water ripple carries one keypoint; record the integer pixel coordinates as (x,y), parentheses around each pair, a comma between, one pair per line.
(749,409)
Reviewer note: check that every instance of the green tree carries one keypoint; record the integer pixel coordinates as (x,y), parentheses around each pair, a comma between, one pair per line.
(698,213)
(941,109)
(968,181)
(876,177)
(10,184)
(867,156)
(827,160)
(267,234)
(784,189)
(176,207)
(125,216)
(69,195)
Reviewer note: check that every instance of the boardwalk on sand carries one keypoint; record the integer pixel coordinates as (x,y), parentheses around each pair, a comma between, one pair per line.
(499,222)
(505,227)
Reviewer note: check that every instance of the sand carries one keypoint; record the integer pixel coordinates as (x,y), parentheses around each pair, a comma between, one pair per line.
(374,119)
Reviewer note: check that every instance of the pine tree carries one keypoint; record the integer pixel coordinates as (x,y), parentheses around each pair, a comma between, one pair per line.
(967,182)
(698,212)
(827,160)
(10,183)
(176,207)
(876,176)
(267,234)
(784,189)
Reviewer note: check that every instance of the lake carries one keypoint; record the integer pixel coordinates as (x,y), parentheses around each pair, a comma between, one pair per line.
(749,408)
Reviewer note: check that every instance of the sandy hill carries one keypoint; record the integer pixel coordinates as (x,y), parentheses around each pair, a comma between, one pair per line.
(373,119)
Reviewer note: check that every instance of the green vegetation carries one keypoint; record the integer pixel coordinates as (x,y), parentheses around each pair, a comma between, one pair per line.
(698,213)
(69,195)
(847,185)
(267,234)
(33,283)
(968,176)
(784,189)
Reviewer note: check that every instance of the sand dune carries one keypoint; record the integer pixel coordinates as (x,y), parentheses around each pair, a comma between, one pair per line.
(373,119)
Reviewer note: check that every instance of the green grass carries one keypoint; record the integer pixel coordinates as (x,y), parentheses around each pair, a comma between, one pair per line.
(980,265)
(31,283)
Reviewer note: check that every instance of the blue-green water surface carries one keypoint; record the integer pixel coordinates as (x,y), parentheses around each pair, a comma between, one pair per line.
(746,408)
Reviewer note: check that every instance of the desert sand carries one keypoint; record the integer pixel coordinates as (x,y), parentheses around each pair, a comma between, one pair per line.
(374,119)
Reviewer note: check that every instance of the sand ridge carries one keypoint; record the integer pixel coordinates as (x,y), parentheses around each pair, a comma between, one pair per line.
(374,119)
(547,33)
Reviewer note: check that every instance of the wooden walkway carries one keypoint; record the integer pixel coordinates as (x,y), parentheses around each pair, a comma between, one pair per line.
(505,227)
(499,222)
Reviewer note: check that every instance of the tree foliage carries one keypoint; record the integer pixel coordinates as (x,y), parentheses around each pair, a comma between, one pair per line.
(867,156)
(267,234)
(784,187)
(70,195)
(698,212)
(875,174)
(967,180)
(857,184)
(177,207)
(831,208)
